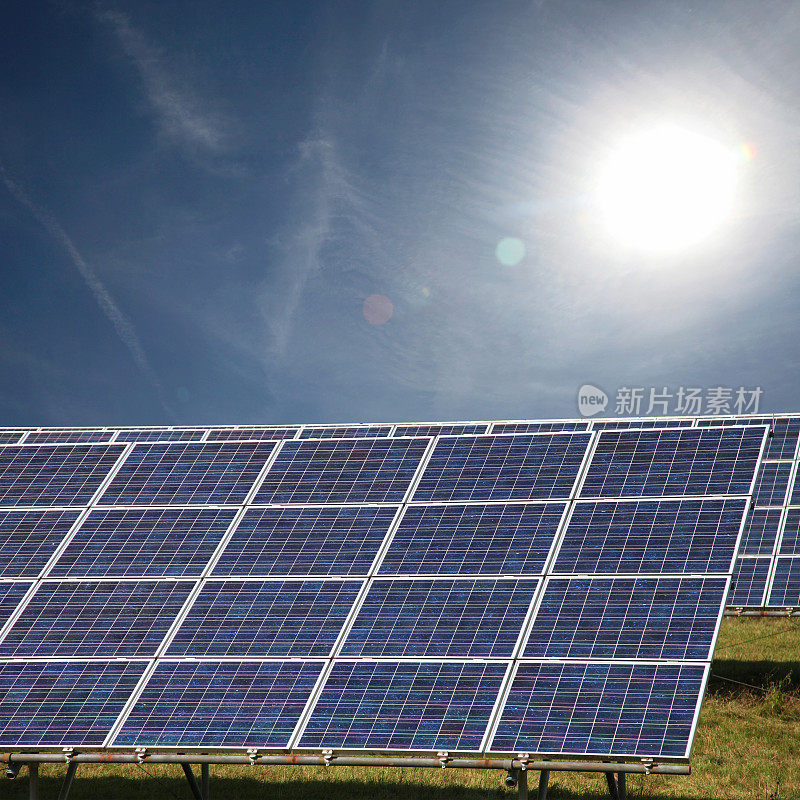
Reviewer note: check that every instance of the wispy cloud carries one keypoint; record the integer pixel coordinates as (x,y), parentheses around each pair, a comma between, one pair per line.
(181,113)
(121,323)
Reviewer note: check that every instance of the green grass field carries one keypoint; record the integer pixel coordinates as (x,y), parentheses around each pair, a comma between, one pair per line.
(747,746)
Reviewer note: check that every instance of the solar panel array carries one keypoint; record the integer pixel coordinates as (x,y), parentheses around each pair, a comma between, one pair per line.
(469,587)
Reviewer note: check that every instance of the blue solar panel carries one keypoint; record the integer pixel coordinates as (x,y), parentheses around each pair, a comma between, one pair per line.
(651,536)
(760,532)
(621,424)
(242,434)
(143,543)
(785,430)
(772,483)
(63,703)
(28,540)
(631,618)
(306,541)
(220,704)
(785,589)
(161,435)
(439,430)
(73,436)
(790,539)
(187,473)
(404,706)
(347,471)
(345,431)
(518,467)
(60,475)
(539,427)
(794,495)
(93,619)
(749,581)
(488,539)
(688,461)
(643,710)
(440,618)
(10,595)
(10,437)
(265,618)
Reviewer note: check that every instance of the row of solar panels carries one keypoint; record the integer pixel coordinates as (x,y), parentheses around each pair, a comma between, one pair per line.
(592,637)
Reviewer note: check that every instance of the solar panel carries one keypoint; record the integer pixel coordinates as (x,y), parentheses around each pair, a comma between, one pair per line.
(440,430)
(69,436)
(342,471)
(790,538)
(481,539)
(48,475)
(265,618)
(593,709)
(760,532)
(147,543)
(28,539)
(440,618)
(187,473)
(516,467)
(539,427)
(772,483)
(160,435)
(782,443)
(404,706)
(11,592)
(345,431)
(10,437)
(749,581)
(95,619)
(643,463)
(620,424)
(785,589)
(229,704)
(245,433)
(54,703)
(332,540)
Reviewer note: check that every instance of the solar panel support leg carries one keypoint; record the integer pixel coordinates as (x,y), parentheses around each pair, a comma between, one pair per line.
(522,784)
(187,771)
(621,790)
(612,785)
(544,779)
(205,782)
(72,768)
(33,780)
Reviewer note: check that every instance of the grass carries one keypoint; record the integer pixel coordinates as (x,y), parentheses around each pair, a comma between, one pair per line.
(747,746)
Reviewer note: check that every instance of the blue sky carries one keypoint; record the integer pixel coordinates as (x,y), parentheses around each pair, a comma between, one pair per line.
(198,198)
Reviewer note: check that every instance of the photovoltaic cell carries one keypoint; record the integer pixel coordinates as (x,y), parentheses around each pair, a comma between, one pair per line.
(627,618)
(54,476)
(161,435)
(28,540)
(10,595)
(786,583)
(440,618)
(621,424)
(242,434)
(342,471)
(517,467)
(439,430)
(265,618)
(687,461)
(305,541)
(651,536)
(187,473)
(60,435)
(795,493)
(404,706)
(153,543)
(95,620)
(63,703)
(785,430)
(539,427)
(749,581)
(220,704)
(772,483)
(790,540)
(346,431)
(489,539)
(10,437)
(644,710)
(760,532)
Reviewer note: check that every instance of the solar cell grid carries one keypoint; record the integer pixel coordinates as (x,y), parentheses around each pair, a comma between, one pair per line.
(345,431)
(143,543)
(404,706)
(60,435)
(538,427)
(10,437)
(643,710)
(651,536)
(94,619)
(627,618)
(440,618)
(28,539)
(439,430)
(49,475)
(342,471)
(265,618)
(620,424)
(760,532)
(790,538)
(243,434)
(60,703)
(749,581)
(772,483)
(486,539)
(515,467)
(187,473)
(785,589)
(160,435)
(220,704)
(783,441)
(675,462)
(11,592)
(306,541)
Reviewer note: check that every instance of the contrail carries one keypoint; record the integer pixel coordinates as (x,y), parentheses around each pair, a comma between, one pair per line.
(121,324)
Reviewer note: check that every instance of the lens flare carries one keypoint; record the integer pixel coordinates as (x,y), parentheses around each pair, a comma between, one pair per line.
(377,309)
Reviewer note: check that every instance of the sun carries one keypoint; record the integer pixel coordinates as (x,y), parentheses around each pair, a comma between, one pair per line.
(666,189)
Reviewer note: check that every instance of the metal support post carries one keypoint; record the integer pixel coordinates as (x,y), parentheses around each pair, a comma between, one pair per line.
(72,768)
(544,779)
(33,780)
(621,790)
(522,783)
(205,782)
(612,785)
(187,771)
